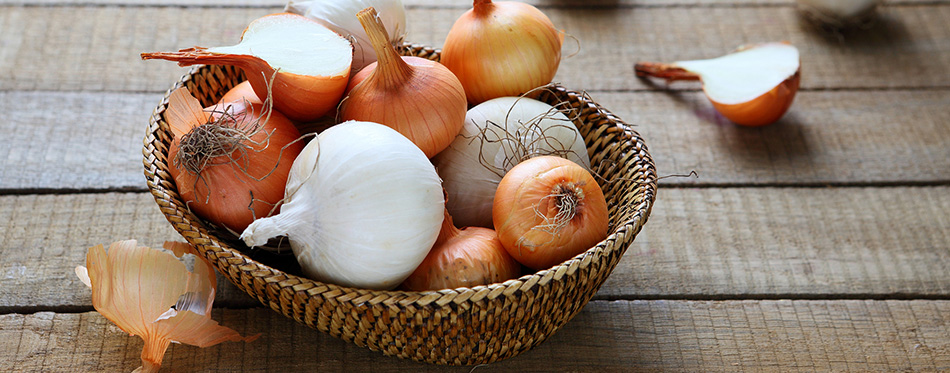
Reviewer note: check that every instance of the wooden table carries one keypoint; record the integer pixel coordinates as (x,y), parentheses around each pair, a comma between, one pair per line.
(817,243)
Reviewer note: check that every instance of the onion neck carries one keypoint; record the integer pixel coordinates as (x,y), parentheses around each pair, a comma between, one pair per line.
(391,70)
(482,7)
(448,231)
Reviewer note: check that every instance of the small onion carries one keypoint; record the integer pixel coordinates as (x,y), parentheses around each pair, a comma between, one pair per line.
(497,135)
(419,98)
(839,13)
(547,210)
(502,48)
(465,257)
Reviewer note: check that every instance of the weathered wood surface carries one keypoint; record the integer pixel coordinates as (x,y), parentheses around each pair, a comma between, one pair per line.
(708,243)
(774,336)
(102,43)
(93,141)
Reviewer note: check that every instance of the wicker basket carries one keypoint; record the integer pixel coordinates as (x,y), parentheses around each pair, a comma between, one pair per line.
(463,326)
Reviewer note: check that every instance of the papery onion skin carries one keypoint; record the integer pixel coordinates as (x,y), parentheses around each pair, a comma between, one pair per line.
(364,207)
(242,91)
(765,109)
(497,135)
(526,203)
(299,97)
(419,98)
(233,194)
(502,48)
(464,257)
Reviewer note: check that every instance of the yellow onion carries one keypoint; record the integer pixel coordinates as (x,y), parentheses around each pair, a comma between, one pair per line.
(419,98)
(310,64)
(502,48)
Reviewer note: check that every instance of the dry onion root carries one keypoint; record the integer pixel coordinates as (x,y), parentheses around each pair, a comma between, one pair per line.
(497,135)
(230,163)
(753,86)
(548,209)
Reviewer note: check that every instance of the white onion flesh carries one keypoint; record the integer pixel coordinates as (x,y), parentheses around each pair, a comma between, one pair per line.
(838,10)
(497,135)
(363,207)
(340,16)
(745,75)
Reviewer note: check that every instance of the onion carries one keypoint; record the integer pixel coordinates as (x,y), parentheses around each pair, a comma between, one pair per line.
(419,98)
(363,207)
(230,163)
(465,257)
(502,48)
(547,210)
(340,16)
(310,64)
(242,91)
(838,13)
(753,86)
(497,135)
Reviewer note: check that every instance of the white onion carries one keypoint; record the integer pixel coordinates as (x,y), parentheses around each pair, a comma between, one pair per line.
(363,207)
(498,134)
(838,12)
(340,16)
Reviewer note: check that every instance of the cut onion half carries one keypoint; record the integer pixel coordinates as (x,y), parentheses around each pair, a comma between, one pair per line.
(312,63)
(753,86)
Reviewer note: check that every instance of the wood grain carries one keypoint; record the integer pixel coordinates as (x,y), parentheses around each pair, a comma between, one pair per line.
(772,336)
(72,141)
(99,49)
(710,243)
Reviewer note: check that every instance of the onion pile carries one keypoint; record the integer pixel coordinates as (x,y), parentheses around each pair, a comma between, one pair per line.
(360,197)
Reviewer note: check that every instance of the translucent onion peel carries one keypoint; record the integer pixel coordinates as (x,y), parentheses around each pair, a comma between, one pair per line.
(312,63)
(502,48)
(753,86)
(151,294)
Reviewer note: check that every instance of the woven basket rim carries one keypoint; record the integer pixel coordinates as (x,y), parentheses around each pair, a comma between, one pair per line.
(288,293)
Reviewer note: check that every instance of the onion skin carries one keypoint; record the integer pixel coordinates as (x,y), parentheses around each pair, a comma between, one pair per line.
(524,203)
(502,48)
(419,98)
(223,192)
(765,109)
(300,97)
(242,91)
(465,257)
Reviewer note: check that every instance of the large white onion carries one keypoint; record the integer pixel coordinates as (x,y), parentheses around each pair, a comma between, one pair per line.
(340,16)
(364,206)
(497,135)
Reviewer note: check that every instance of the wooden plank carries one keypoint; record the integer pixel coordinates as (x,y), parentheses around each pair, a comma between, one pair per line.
(698,244)
(790,243)
(93,140)
(45,237)
(98,49)
(783,335)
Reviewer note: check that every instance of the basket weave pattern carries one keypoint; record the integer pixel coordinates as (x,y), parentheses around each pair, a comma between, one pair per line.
(464,326)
